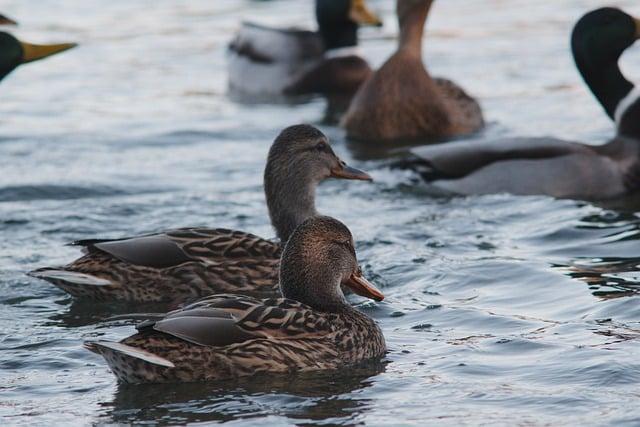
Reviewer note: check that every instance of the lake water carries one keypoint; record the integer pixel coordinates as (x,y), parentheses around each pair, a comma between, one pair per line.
(499,310)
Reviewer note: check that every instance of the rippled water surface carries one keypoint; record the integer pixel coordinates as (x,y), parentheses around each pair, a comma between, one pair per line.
(499,309)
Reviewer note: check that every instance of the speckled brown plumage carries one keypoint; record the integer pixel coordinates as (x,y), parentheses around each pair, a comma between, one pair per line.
(185,264)
(226,336)
(221,261)
(402,101)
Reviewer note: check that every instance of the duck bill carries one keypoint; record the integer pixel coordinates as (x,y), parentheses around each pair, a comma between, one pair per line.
(361,286)
(637,21)
(4,20)
(362,15)
(344,171)
(34,52)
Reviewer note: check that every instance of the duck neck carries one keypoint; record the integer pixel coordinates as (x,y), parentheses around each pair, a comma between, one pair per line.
(334,26)
(10,54)
(291,199)
(302,283)
(412,16)
(599,68)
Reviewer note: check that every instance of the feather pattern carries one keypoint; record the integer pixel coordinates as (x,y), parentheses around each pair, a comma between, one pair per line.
(274,335)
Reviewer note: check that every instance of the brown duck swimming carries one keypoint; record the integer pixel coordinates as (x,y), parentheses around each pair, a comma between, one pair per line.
(549,166)
(184,264)
(401,101)
(226,336)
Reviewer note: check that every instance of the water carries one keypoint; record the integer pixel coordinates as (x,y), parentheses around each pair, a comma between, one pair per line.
(499,310)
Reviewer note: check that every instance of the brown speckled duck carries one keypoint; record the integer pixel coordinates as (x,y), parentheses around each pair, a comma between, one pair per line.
(227,336)
(182,265)
(401,101)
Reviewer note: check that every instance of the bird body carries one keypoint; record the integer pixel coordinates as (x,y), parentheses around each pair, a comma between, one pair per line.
(228,336)
(185,264)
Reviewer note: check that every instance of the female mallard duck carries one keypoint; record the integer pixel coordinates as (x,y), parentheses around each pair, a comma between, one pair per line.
(400,101)
(13,52)
(551,166)
(226,336)
(269,61)
(189,263)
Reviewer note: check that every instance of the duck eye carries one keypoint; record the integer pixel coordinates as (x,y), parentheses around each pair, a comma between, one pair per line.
(321,146)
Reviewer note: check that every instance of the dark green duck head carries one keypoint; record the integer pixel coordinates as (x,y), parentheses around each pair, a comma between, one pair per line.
(599,38)
(318,259)
(13,52)
(338,21)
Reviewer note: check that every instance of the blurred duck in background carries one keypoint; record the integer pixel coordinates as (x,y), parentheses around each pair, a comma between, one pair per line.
(182,265)
(272,61)
(13,52)
(5,20)
(551,166)
(401,101)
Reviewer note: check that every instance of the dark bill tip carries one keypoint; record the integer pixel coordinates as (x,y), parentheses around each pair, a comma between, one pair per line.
(344,171)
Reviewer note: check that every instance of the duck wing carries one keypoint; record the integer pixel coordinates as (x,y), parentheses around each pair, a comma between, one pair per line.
(179,246)
(226,319)
(458,159)
(262,44)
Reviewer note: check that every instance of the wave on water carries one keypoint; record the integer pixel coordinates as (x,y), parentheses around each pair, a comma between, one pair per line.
(21,193)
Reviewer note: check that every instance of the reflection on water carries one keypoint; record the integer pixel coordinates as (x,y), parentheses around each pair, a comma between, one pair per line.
(300,398)
(607,277)
(499,309)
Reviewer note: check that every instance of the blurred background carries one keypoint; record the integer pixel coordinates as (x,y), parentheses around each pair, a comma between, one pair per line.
(499,309)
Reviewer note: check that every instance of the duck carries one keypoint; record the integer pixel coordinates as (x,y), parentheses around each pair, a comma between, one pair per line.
(269,62)
(402,102)
(550,166)
(14,52)
(182,265)
(310,328)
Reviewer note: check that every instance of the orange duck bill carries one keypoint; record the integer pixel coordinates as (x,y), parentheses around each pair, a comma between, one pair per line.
(361,286)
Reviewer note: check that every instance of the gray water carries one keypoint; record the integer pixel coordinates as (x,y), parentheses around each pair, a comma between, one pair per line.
(499,309)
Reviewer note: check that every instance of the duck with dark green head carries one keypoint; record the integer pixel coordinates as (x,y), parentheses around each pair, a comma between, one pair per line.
(13,52)
(271,61)
(550,166)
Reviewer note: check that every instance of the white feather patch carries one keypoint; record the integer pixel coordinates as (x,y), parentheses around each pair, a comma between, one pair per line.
(72,277)
(133,352)
(625,103)
(342,52)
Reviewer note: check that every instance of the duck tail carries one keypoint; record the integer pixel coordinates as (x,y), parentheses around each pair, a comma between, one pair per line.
(72,282)
(110,349)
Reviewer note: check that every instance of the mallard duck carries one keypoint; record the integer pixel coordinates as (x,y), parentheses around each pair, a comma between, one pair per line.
(13,52)
(401,101)
(226,336)
(271,61)
(184,264)
(547,165)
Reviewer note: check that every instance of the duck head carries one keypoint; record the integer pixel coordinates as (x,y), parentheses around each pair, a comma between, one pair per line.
(597,41)
(338,21)
(318,258)
(299,159)
(14,52)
